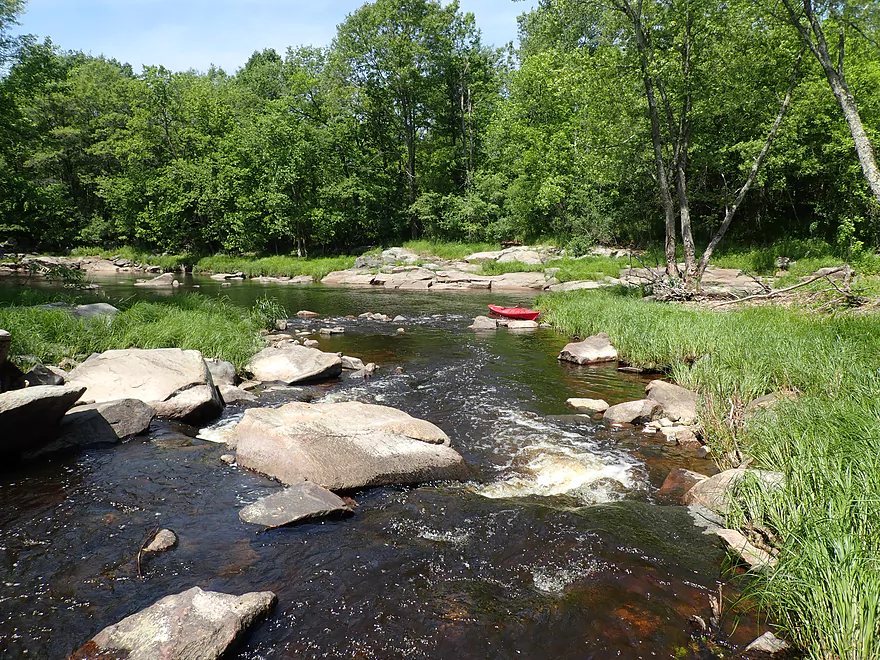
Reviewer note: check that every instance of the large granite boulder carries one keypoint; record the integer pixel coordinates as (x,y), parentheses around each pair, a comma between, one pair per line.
(294,364)
(633,412)
(298,503)
(175,383)
(222,372)
(31,417)
(591,350)
(678,403)
(100,424)
(193,625)
(344,445)
(518,281)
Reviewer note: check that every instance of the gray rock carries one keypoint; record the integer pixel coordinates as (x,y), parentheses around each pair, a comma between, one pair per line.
(344,445)
(176,383)
(518,281)
(715,493)
(164,540)
(222,372)
(294,364)
(307,314)
(352,363)
(528,257)
(232,394)
(31,417)
(576,286)
(591,350)
(303,501)
(337,330)
(193,625)
(229,459)
(768,643)
(398,319)
(484,323)
(678,403)
(588,405)
(42,375)
(94,310)
(164,280)
(311,343)
(348,278)
(755,557)
(633,412)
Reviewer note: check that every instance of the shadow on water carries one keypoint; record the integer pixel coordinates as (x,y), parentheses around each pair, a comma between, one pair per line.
(555,549)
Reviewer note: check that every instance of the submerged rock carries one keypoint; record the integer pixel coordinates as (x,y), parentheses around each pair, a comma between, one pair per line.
(176,383)
(344,445)
(591,350)
(300,502)
(192,625)
(294,364)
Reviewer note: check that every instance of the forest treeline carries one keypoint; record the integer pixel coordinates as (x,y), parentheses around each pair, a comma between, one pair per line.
(407,125)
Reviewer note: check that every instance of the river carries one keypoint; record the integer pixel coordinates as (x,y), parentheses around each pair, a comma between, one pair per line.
(555,548)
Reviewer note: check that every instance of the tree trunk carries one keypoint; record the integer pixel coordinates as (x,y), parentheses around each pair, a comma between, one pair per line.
(814,39)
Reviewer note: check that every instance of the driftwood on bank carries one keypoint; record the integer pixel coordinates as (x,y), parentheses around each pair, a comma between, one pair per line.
(775,293)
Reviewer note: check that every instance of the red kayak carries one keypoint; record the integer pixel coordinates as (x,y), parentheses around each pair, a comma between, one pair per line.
(515,312)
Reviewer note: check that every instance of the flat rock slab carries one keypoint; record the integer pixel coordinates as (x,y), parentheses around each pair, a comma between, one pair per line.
(300,502)
(193,625)
(344,446)
(31,417)
(294,364)
(176,383)
(591,350)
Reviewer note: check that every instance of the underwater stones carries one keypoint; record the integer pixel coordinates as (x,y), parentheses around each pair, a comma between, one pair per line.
(344,445)
(591,350)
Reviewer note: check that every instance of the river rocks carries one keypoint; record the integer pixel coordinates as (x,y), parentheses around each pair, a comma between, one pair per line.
(527,257)
(176,383)
(300,502)
(336,330)
(162,281)
(307,314)
(679,404)
(517,324)
(519,281)
(591,350)
(715,492)
(294,364)
(222,372)
(192,625)
(483,323)
(588,405)
(42,375)
(31,417)
(755,557)
(232,394)
(344,445)
(352,363)
(348,278)
(633,412)
(228,276)
(576,286)
(768,643)
(99,424)
(163,541)
(411,278)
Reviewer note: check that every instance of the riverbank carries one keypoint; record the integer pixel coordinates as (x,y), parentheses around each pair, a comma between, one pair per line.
(823,434)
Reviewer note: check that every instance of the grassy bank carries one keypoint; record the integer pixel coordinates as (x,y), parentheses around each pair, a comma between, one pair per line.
(280,266)
(825,591)
(214,327)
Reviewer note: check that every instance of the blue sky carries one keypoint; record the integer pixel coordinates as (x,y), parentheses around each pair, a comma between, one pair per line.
(184,34)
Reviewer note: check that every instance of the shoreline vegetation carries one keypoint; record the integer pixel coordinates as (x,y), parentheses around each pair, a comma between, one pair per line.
(822,433)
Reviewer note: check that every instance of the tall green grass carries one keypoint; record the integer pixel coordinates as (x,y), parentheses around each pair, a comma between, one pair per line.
(215,327)
(449,250)
(167,262)
(277,266)
(825,592)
